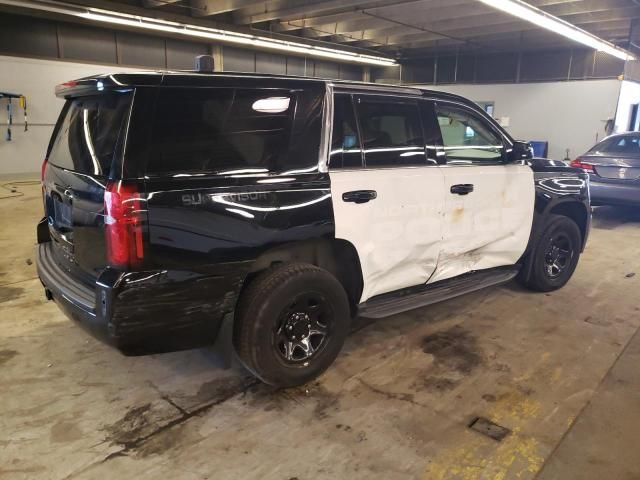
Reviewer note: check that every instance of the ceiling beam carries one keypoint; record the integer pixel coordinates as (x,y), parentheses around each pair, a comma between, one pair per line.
(359,20)
(326,7)
(476,35)
(483,38)
(204,8)
(157,3)
(400,33)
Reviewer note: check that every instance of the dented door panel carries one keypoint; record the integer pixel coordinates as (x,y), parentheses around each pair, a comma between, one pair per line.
(489,227)
(398,234)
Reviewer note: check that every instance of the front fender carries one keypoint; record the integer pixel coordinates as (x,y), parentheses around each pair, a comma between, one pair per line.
(562,190)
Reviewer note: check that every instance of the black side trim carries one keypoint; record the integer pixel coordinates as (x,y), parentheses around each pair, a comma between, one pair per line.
(423,295)
(61,283)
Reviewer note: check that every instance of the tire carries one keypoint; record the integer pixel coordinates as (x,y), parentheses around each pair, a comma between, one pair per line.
(280,320)
(555,255)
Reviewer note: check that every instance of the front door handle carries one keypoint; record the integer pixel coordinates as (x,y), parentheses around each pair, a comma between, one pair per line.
(462,189)
(359,196)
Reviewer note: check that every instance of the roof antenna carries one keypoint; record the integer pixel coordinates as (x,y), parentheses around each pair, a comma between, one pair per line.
(204,63)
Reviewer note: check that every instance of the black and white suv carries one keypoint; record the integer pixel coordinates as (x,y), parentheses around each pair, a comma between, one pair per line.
(275,209)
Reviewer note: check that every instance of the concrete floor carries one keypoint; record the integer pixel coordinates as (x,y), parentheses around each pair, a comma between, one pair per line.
(558,370)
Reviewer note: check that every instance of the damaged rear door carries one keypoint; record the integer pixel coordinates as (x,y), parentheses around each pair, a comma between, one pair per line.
(489,202)
(387,190)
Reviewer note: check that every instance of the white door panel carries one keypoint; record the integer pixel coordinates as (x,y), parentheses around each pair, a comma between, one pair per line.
(489,227)
(398,235)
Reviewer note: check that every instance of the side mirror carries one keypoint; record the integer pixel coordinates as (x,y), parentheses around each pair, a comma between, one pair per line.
(520,153)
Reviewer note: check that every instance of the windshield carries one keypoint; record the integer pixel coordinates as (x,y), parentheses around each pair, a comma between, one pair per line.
(89,133)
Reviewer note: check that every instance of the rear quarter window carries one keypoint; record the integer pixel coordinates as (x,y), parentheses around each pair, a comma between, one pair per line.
(90,133)
(200,130)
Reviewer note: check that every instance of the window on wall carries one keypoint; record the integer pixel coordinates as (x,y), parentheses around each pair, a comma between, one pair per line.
(391,131)
(467,137)
(345,142)
(218,129)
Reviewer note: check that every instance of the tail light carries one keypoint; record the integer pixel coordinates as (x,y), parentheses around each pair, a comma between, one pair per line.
(124,216)
(578,163)
(43,169)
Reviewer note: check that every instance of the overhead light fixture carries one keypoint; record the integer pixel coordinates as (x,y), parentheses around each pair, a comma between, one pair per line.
(191,30)
(538,17)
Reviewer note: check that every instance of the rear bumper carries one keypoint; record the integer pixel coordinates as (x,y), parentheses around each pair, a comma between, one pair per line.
(76,300)
(614,192)
(143,312)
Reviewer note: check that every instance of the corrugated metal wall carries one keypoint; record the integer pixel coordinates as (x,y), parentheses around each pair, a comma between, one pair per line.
(511,67)
(41,38)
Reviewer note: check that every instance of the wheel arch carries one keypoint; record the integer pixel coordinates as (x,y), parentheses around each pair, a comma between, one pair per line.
(576,211)
(339,257)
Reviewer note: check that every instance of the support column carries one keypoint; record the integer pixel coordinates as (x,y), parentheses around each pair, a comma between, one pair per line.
(218,58)
(366,73)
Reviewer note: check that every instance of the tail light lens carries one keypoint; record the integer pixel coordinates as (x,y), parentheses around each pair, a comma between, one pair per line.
(578,163)
(43,170)
(124,215)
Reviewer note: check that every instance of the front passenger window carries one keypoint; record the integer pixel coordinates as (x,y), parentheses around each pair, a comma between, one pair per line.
(467,137)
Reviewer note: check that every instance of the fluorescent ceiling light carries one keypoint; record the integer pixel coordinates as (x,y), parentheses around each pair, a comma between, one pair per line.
(190,30)
(542,19)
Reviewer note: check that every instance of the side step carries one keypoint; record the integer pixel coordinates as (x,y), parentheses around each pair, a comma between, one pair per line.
(420,296)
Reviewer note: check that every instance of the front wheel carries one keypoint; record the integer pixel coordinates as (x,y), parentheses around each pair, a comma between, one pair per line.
(555,255)
(291,323)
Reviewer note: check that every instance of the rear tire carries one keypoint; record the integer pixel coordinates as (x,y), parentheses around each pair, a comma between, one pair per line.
(291,323)
(555,255)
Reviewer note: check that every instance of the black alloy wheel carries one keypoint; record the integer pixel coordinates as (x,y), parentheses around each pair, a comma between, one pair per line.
(290,324)
(304,328)
(554,256)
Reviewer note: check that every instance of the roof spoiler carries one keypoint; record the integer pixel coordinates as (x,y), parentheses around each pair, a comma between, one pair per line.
(74,88)
(90,86)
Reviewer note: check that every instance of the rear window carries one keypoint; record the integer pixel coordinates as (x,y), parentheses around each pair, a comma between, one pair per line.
(89,133)
(625,145)
(234,130)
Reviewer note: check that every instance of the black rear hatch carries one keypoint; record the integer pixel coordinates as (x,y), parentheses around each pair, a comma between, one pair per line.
(84,154)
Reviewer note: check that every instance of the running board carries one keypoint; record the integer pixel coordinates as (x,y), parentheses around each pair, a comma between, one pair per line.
(420,296)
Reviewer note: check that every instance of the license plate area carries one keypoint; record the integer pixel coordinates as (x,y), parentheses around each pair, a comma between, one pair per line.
(618,173)
(62,215)
(61,224)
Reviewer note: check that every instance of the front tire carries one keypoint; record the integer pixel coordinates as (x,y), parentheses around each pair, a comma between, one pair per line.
(555,255)
(291,323)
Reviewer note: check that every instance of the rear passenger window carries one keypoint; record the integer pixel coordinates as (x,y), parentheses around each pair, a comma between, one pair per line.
(345,142)
(467,138)
(224,129)
(391,132)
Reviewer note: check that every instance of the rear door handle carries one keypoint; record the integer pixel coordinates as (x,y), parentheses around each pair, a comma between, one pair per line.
(359,196)
(462,189)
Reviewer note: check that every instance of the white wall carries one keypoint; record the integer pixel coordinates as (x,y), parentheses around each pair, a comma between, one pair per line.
(629,96)
(36,79)
(569,115)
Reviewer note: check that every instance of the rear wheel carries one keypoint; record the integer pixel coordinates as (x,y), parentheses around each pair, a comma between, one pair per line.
(555,255)
(291,323)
